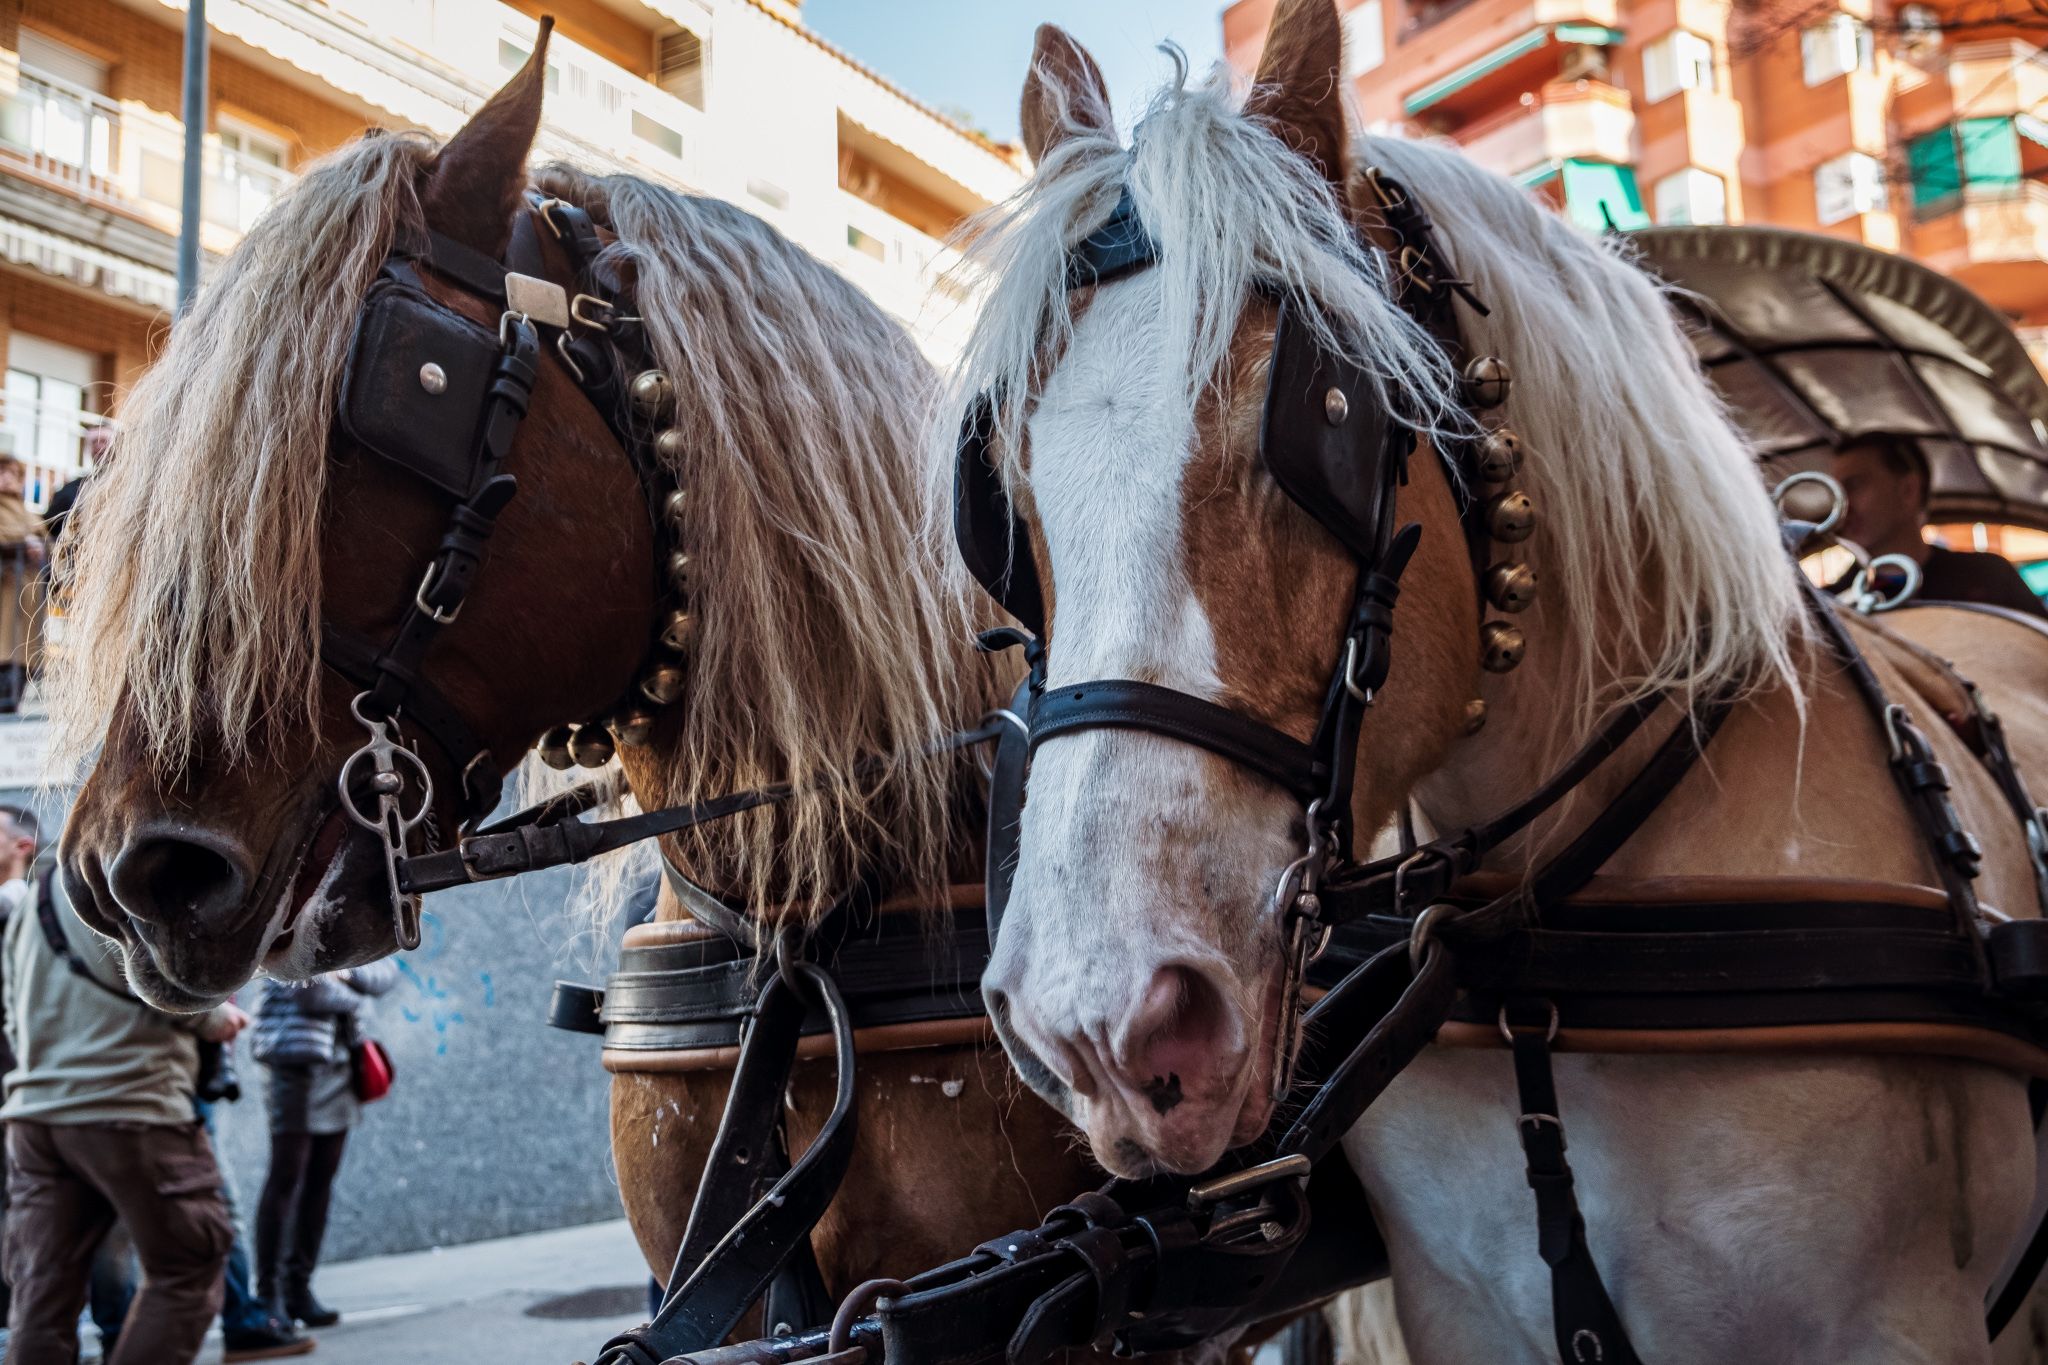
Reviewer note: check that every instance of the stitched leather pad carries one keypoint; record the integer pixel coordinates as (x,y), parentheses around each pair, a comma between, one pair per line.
(1329,470)
(386,408)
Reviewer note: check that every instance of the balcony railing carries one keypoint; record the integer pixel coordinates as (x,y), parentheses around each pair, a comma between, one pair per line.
(126,157)
(1587,119)
(50,440)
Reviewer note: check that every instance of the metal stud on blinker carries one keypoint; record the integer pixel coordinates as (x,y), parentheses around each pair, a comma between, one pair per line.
(433,378)
(1486,381)
(592,746)
(1511,587)
(1336,407)
(662,684)
(1501,646)
(1499,455)
(651,392)
(554,747)
(1511,517)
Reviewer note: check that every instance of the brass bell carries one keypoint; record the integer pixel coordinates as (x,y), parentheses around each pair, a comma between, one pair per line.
(1486,381)
(1501,646)
(678,630)
(554,747)
(680,566)
(1511,517)
(1475,716)
(670,444)
(652,392)
(1511,587)
(592,746)
(672,506)
(662,684)
(633,727)
(1499,455)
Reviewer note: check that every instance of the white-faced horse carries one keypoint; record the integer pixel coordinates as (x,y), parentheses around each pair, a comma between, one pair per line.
(1742,1205)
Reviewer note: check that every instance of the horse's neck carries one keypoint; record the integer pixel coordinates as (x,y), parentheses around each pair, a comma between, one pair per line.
(1773,795)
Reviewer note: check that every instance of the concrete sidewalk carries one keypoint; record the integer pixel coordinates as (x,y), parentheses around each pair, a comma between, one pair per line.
(547,1298)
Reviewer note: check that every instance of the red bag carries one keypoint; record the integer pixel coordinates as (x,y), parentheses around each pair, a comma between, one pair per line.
(370,1070)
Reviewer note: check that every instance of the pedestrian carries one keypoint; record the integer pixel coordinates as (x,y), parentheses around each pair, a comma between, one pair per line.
(99,450)
(22,549)
(305,1034)
(17,853)
(1885,484)
(100,1129)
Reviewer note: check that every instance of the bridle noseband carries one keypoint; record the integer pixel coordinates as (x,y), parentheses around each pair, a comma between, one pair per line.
(442,397)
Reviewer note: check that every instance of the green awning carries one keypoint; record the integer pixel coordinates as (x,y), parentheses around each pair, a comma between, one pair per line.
(1590,35)
(1599,195)
(1538,175)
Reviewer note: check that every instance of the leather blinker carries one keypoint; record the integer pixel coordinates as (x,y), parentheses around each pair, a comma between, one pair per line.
(422,420)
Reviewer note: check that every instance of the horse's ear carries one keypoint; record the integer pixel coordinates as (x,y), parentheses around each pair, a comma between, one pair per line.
(1299,91)
(1064,93)
(475,183)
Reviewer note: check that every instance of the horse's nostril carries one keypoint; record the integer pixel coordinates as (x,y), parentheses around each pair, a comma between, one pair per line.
(189,880)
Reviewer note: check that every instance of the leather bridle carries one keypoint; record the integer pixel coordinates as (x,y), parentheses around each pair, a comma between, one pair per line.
(442,397)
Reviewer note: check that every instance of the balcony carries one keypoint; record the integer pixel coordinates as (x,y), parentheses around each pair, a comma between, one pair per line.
(1584,120)
(1994,239)
(904,270)
(2000,77)
(126,158)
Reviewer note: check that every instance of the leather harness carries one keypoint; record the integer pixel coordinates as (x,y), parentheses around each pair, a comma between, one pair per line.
(1417,941)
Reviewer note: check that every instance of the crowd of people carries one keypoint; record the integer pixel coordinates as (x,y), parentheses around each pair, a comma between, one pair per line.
(117,1205)
(27,543)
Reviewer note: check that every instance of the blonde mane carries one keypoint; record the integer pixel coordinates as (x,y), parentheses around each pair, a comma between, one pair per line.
(1657,546)
(192,586)
(826,638)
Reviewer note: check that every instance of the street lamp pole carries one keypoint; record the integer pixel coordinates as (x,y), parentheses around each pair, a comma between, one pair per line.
(192,209)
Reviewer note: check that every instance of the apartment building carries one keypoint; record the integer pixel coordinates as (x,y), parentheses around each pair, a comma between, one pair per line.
(732,98)
(1859,118)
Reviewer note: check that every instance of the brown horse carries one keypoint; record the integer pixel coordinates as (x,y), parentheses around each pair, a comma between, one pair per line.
(1854,1201)
(209,841)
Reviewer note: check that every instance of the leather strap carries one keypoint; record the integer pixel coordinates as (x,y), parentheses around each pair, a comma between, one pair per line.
(1124,704)
(722,1270)
(1589,1331)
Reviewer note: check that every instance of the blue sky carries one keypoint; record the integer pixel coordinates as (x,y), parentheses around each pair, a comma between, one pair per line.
(969,56)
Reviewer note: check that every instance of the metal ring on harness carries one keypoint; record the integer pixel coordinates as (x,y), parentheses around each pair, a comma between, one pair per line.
(1863,594)
(1422,934)
(1507,1030)
(851,1309)
(1813,477)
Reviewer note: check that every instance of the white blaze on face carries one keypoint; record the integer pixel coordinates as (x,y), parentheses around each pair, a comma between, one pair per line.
(1138,902)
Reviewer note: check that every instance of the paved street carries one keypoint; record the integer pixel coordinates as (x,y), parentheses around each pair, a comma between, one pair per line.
(546,1298)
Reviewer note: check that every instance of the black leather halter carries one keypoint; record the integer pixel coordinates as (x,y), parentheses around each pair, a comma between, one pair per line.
(441,397)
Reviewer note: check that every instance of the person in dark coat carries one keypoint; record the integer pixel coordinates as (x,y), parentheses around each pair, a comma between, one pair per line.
(304,1033)
(1886,483)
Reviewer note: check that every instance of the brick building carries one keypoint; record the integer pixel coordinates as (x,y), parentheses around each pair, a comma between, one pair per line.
(733,98)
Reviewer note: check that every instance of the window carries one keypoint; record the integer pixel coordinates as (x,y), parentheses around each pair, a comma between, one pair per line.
(657,134)
(512,55)
(1677,61)
(58,114)
(1980,153)
(46,385)
(769,193)
(1365,40)
(1835,48)
(249,175)
(1847,185)
(1691,196)
(679,67)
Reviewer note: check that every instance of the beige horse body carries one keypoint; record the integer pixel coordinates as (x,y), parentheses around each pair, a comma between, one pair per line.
(1745,1206)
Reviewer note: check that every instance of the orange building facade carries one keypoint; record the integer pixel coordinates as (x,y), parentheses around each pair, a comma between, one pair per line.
(731,98)
(1865,121)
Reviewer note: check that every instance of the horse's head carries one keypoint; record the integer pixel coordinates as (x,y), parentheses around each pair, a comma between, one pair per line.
(244,519)
(1138,980)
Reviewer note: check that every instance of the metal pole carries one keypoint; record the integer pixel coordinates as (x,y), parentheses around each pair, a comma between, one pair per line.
(192,209)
